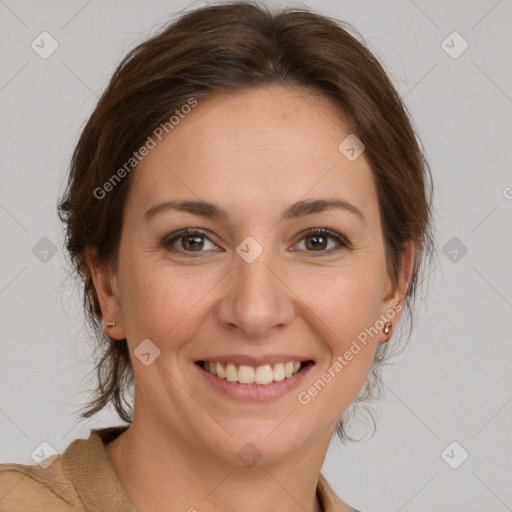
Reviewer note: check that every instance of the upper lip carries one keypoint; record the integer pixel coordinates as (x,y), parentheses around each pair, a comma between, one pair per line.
(256,361)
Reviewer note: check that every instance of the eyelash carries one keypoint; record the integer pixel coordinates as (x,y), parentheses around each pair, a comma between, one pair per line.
(324,232)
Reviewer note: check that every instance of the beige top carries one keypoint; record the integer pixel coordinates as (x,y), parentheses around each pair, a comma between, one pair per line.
(82,478)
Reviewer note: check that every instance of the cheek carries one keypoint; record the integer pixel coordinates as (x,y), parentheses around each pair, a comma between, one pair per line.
(347,302)
(159,302)
(347,307)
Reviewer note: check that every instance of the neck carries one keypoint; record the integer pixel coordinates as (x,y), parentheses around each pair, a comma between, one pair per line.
(159,470)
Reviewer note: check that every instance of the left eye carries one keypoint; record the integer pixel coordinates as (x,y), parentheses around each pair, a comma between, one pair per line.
(315,240)
(319,240)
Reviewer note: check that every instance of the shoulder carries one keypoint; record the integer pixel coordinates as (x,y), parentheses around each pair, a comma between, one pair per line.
(79,479)
(30,487)
(329,499)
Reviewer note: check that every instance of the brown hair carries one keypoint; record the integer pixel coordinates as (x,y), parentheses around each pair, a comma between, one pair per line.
(231,47)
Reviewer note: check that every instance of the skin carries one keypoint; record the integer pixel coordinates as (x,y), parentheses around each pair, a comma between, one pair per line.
(253,153)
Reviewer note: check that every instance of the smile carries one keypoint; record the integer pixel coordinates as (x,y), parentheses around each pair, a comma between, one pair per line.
(261,375)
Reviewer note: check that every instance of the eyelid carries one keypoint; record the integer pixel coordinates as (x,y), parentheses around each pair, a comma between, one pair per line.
(343,242)
(173,237)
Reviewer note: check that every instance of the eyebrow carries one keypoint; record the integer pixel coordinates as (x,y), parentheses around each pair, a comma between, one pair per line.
(210,210)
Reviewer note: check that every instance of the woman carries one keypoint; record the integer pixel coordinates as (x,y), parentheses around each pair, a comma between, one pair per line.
(249,210)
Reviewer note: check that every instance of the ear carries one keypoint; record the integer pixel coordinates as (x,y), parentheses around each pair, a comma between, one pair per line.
(105,284)
(393,301)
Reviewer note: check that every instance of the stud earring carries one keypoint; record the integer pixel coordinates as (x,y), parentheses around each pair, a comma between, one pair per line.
(387,328)
(110,324)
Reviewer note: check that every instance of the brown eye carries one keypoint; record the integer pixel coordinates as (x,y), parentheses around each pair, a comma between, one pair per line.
(317,240)
(192,242)
(321,241)
(187,241)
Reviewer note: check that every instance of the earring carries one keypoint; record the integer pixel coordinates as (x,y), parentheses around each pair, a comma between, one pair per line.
(110,324)
(387,328)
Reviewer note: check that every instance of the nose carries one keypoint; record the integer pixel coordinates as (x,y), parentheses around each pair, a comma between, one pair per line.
(257,300)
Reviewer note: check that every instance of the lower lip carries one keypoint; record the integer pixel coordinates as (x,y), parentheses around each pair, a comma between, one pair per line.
(255,392)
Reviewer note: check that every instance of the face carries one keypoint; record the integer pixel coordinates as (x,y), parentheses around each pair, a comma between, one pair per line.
(260,282)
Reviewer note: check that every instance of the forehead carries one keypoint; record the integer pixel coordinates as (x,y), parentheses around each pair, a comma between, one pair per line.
(261,146)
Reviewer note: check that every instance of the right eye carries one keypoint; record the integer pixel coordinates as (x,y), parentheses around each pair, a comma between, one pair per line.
(190,240)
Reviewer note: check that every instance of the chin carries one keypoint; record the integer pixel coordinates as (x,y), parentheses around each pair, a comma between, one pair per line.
(251,442)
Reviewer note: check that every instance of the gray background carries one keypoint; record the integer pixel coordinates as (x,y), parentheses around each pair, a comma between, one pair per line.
(452,382)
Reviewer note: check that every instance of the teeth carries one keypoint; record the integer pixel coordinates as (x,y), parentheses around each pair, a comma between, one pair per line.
(279,372)
(219,370)
(262,375)
(231,373)
(246,374)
